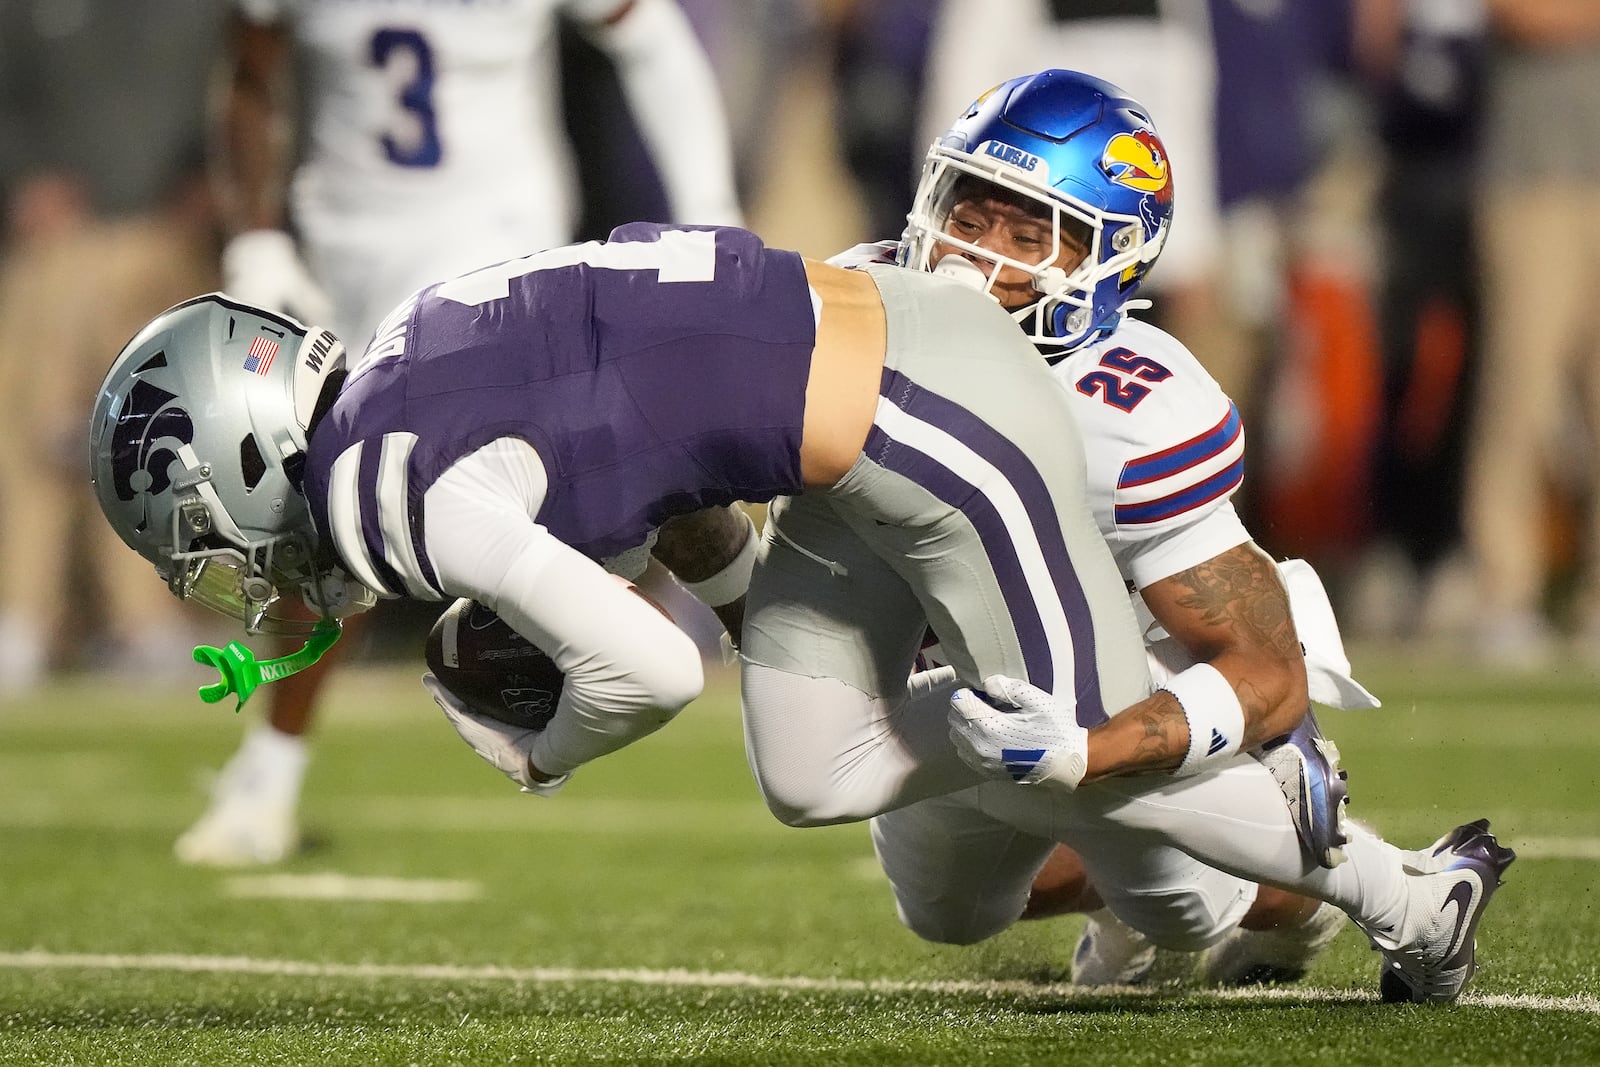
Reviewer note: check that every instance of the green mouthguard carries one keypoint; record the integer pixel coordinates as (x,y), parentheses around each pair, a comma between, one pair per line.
(242,672)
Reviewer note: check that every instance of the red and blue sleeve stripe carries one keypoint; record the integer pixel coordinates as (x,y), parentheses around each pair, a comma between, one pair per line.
(1173,462)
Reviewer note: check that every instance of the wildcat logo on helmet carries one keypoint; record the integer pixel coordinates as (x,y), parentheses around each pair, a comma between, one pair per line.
(1014,157)
(1139,161)
(145,440)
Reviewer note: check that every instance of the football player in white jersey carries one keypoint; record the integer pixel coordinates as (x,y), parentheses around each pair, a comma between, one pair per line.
(1165,452)
(430,142)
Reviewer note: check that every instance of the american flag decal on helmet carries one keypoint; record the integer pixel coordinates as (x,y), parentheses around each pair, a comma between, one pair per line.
(259,359)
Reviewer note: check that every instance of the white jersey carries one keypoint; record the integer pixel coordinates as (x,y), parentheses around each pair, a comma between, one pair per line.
(1165,448)
(1165,452)
(412,103)
(433,142)
(1164,445)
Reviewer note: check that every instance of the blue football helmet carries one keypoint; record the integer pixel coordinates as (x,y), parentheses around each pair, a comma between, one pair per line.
(197,441)
(1076,151)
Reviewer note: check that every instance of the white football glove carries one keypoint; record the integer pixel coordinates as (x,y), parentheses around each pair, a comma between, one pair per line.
(264,268)
(501,744)
(1011,729)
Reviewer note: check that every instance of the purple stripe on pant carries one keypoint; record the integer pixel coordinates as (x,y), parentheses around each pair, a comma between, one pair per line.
(1020,471)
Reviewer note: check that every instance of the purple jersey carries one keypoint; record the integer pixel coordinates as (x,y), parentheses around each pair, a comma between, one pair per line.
(656,373)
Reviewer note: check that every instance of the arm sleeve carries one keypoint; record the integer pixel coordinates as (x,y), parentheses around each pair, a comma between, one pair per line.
(675,99)
(628,669)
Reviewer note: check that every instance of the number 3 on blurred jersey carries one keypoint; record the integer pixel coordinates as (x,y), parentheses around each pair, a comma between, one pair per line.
(413,138)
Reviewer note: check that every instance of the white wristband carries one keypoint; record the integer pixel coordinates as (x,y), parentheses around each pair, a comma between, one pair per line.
(1216,720)
(731,582)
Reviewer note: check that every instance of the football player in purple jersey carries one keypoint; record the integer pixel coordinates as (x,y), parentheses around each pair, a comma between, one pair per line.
(510,430)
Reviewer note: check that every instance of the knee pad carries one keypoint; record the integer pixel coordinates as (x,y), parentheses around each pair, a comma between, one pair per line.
(794,804)
(820,750)
(958,923)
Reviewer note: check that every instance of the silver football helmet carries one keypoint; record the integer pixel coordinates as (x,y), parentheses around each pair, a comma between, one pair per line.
(196,453)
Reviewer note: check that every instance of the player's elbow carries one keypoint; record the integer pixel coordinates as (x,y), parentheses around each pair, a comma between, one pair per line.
(1273,693)
(641,691)
(671,676)
(800,817)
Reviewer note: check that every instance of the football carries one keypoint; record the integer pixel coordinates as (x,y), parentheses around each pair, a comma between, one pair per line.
(492,669)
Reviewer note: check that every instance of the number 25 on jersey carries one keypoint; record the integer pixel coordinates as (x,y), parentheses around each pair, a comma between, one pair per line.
(1116,384)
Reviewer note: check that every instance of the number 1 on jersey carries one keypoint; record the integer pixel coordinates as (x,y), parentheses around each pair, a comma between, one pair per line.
(679,256)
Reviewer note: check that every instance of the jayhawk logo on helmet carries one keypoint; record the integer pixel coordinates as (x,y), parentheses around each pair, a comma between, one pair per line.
(1139,161)
(972,108)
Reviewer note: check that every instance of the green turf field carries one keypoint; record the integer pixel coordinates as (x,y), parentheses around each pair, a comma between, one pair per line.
(654,913)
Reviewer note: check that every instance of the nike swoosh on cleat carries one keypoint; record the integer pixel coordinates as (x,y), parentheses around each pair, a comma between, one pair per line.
(1461,897)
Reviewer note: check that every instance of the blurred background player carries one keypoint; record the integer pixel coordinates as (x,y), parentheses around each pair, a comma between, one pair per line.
(1273,64)
(1424,62)
(102,193)
(430,143)
(1165,452)
(1539,167)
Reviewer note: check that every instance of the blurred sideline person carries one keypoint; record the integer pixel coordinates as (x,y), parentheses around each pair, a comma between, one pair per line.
(431,144)
(756,47)
(1272,61)
(1165,452)
(879,62)
(97,197)
(859,742)
(1539,172)
(1424,63)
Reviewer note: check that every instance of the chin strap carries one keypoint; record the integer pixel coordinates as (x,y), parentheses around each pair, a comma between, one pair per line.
(242,672)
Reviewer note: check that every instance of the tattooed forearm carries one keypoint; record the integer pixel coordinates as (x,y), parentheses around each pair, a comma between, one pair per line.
(1152,735)
(1232,612)
(1165,739)
(1240,590)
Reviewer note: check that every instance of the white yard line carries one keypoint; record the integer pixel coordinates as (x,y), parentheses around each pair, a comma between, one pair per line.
(41,960)
(330,885)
